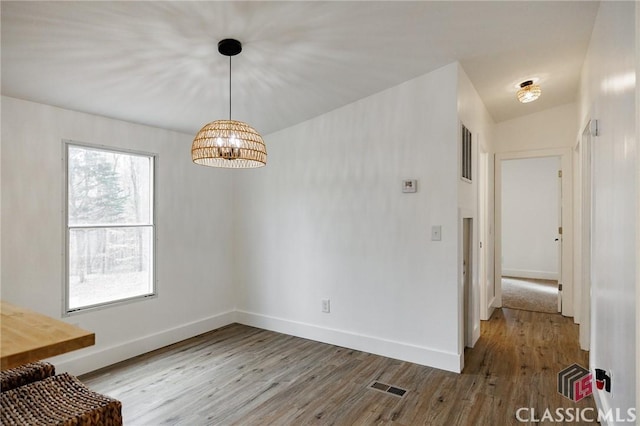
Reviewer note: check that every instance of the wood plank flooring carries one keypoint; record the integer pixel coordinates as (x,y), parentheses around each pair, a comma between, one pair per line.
(240,375)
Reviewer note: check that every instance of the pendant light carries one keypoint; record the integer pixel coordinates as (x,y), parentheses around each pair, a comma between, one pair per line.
(528,92)
(229,143)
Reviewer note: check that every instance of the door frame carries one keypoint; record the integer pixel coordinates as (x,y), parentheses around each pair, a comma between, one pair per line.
(483,234)
(467,281)
(584,211)
(473,314)
(566,165)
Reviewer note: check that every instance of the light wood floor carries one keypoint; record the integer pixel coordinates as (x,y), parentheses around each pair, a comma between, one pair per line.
(247,376)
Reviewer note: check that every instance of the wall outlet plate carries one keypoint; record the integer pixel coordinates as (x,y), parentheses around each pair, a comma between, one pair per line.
(326,306)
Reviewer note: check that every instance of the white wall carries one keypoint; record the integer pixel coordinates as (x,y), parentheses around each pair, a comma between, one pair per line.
(551,128)
(327,219)
(473,114)
(194,231)
(0,200)
(550,132)
(608,94)
(637,212)
(530,216)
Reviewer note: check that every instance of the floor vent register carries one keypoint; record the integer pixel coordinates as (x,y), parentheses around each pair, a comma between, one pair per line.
(388,389)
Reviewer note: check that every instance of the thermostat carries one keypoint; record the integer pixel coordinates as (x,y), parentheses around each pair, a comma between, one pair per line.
(409,185)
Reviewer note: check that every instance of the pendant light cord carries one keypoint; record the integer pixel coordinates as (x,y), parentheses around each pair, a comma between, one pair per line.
(229,88)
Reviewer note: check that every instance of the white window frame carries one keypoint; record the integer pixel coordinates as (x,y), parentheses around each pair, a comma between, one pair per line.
(65,217)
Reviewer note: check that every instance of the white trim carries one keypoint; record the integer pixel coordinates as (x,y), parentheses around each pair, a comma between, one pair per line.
(577,237)
(91,359)
(153,167)
(637,212)
(483,234)
(491,306)
(566,162)
(390,348)
(534,275)
(474,305)
(583,216)
(602,404)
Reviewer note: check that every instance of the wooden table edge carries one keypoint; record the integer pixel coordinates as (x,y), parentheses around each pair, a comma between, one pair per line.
(21,358)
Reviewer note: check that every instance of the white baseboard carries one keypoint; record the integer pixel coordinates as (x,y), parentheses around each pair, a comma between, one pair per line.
(94,358)
(601,404)
(398,350)
(534,275)
(490,309)
(475,336)
(608,413)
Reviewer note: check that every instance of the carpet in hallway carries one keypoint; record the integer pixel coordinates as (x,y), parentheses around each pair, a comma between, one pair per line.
(530,294)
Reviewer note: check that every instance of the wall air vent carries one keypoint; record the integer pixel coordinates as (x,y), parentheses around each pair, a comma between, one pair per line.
(466,155)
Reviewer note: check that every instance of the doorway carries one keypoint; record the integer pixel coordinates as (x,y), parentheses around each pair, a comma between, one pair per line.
(531,239)
(563,248)
(467,279)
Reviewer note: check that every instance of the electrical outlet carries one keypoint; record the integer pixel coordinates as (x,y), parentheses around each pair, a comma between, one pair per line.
(326,306)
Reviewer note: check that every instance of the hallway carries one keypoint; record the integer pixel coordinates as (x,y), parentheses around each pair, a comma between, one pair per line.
(516,364)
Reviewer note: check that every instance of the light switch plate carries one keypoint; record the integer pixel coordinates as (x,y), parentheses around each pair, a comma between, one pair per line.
(436,233)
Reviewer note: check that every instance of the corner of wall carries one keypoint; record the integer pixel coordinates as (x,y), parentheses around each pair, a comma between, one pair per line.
(475,198)
(372,344)
(339,226)
(88,360)
(637,206)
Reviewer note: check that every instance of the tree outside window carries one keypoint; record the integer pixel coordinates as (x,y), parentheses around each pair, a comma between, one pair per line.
(110,229)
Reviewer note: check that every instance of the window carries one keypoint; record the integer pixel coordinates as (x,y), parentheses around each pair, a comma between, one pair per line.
(110,229)
(466,154)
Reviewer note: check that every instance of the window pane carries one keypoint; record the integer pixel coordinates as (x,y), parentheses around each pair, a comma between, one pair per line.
(107,264)
(106,187)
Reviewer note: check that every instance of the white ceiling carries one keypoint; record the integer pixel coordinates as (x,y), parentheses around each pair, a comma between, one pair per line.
(157,63)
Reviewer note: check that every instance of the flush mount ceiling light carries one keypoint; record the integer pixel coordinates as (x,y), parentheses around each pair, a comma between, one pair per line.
(229,143)
(528,92)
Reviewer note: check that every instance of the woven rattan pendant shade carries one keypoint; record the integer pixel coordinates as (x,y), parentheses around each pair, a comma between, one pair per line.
(229,143)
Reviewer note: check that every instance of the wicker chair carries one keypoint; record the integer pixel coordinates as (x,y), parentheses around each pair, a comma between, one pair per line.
(59,400)
(25,374)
